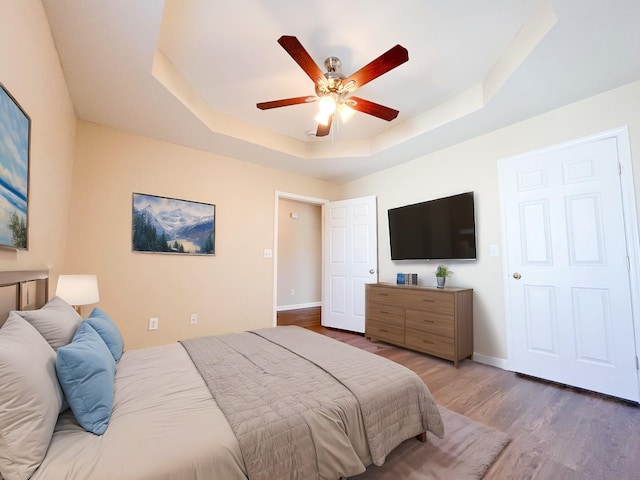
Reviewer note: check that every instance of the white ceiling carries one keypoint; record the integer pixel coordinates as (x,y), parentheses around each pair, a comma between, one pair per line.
(190,72)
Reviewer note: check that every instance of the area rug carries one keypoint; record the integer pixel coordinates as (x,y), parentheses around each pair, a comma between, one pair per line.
(465,453)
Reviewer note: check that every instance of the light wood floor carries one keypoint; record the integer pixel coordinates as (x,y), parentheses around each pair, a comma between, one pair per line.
(556,432)
(303,317)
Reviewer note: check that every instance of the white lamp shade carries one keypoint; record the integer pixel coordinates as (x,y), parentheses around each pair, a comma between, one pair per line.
(78,289)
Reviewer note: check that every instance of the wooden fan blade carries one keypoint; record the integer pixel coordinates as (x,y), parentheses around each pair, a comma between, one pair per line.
(285,102)
(323,130)
(294,48)
(371,108)
(381,65)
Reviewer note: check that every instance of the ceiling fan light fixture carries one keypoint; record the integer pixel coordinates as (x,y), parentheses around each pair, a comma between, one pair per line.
(350,86)
(327,105)
(346,112)
(323,118)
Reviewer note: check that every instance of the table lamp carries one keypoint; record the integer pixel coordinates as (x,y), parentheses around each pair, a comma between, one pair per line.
(78,290)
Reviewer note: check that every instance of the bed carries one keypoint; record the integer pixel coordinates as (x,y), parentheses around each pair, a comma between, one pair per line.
(272,403)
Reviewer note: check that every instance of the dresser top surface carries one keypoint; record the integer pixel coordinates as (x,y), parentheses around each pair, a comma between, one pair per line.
(419,287)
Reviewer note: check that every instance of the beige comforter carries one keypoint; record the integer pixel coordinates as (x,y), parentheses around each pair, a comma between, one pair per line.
(295,420)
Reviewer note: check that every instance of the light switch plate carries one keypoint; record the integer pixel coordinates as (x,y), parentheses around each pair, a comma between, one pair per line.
(153,323)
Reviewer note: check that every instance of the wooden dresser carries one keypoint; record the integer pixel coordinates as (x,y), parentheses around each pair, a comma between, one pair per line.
(427,319)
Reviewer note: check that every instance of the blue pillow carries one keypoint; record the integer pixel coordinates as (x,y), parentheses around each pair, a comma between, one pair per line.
(86,371)
(108,330)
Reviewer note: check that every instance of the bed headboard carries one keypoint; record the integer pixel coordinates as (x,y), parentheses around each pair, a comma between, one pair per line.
(22,290)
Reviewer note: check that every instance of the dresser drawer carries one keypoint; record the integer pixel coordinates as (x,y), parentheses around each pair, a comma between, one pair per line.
(433,344)
(385,313)
(435,302)
(430,322)
(385,295)
(392,333)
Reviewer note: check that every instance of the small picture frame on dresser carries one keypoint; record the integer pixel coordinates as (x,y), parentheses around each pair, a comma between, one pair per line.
(407,279)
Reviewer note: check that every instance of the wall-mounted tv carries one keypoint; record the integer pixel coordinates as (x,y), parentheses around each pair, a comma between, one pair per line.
(443,228)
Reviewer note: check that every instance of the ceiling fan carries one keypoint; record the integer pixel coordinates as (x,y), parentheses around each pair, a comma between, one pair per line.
(333,89)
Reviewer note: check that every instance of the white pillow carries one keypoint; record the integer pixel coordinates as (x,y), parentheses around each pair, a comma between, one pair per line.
(57,321)
(30,396)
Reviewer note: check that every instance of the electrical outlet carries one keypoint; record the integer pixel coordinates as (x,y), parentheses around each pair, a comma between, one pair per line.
(153,323)
(194,319)
(293,292)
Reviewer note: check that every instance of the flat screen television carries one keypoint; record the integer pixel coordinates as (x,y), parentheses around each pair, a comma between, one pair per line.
(443,228)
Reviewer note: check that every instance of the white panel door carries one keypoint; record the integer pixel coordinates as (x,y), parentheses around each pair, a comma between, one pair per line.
(350,260)
(568,293)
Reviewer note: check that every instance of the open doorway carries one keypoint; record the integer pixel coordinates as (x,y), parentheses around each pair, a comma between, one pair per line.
(298,260)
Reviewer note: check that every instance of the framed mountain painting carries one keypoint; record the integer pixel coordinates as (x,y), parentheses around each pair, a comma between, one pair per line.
(15,135)
(170,225)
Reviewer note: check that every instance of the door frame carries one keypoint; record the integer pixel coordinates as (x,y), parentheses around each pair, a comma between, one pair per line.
(631,234)
(279,195)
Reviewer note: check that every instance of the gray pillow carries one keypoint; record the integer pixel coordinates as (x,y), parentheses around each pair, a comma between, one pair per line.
(57,321)
(30,396)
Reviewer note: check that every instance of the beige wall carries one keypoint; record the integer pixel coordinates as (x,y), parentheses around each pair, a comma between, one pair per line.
(234,289)
(472,165)
(299,253)
(231,291)
(30,71)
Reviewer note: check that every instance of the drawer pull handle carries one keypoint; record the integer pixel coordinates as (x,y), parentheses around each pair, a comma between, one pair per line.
(427,341)
(428,300)
(384,331)
(383,294)
(384,311)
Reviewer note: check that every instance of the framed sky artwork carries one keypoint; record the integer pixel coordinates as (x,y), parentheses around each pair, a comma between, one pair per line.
(15,135)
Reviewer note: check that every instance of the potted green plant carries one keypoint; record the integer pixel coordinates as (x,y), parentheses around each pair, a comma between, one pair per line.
(442,272)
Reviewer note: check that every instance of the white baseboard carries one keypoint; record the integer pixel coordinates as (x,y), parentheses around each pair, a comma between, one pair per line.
(282,308)
(493,361)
